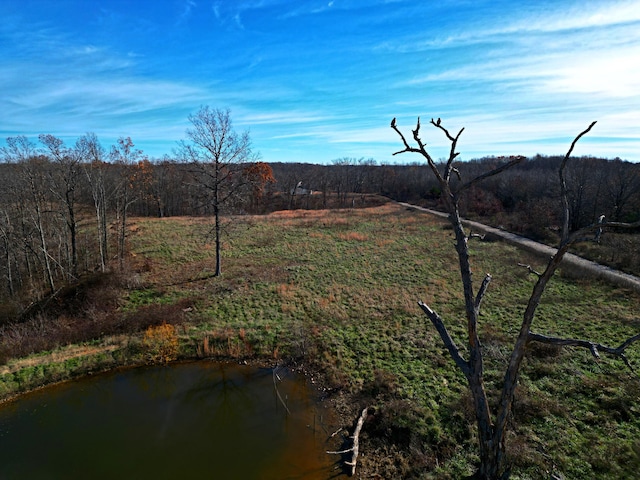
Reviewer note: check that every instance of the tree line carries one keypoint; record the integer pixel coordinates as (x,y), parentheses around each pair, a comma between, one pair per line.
(525,197)
(64,209)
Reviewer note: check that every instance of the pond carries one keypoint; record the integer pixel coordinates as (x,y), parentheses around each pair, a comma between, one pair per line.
(191,420)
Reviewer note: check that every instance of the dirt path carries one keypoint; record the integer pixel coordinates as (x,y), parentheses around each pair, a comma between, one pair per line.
(58,356)
(598,271)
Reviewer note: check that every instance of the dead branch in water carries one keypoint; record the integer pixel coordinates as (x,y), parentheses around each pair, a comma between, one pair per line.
(275,386)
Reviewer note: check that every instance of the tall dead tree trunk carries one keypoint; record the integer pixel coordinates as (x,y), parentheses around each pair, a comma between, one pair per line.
(36,185)
(5,234)
(492,427)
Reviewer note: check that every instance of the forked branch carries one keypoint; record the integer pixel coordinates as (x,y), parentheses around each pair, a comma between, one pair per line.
(452,152)
(356,443)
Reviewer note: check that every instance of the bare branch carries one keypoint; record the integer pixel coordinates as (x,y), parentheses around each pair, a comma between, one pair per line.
(530,268)
(421,150)
(404,140)
(594,347)
(563,184)
(356,442)
(515,161)
(482,290)
(446,338)
(452,152)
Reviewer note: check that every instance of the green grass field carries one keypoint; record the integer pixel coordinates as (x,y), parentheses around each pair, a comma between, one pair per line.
(336,291)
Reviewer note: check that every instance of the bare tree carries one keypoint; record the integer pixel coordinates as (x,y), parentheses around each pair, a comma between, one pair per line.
(492,426)
(32,202)
(64,185)
(91,154)
(126,157)
(8,246)
(623,185)
(218,154)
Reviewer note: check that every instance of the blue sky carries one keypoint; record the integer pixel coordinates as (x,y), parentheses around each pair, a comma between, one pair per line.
(317,80)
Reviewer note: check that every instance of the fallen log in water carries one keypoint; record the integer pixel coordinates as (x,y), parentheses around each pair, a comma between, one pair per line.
(356,443)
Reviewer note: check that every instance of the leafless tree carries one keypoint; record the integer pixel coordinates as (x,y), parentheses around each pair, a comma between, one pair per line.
(64,179)
(91,154)
(218,155)
(492,425)
(33,202)
(623,185)
(126,157)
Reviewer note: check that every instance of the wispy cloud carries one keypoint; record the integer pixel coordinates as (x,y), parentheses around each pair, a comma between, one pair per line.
(187,8)
(321,79)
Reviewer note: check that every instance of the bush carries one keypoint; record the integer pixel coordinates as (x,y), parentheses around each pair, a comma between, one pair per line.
(160,343)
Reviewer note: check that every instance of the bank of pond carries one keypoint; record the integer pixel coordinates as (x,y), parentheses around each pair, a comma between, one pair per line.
(184,420)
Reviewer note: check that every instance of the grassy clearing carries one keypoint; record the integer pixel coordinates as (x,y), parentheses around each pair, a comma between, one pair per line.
(337,291)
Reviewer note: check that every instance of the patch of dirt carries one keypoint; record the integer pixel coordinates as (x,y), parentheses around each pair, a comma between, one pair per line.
(61,355)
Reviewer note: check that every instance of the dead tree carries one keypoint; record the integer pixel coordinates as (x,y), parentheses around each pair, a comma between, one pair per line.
(355,448)
(492,425)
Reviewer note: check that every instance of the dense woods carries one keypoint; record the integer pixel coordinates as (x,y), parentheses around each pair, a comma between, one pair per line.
(64,209)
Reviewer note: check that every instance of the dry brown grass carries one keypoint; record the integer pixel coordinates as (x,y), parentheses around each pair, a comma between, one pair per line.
(353,236)
(65,353)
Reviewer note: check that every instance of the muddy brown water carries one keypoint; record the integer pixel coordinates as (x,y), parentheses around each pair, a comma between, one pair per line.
(192,420)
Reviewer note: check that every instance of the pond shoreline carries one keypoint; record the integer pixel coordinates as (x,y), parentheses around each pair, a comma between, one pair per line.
(180,410)
(76,361)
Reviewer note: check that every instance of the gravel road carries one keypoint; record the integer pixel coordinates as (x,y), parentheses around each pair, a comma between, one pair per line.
(595,269)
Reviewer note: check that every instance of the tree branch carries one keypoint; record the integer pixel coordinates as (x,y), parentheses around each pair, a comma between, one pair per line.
(530,268)
(452,152)
(594,347)
(422,151)
(482,290)
(563,184)
(356,442)
(476,235)
(515,161)
(407,148)
(437,322)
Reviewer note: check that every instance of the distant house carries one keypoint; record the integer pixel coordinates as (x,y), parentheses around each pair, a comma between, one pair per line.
(300,190)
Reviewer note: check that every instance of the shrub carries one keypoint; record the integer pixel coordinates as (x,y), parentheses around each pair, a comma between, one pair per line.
(160,343)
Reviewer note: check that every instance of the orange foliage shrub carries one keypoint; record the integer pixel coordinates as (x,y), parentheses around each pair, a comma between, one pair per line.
(161,343)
